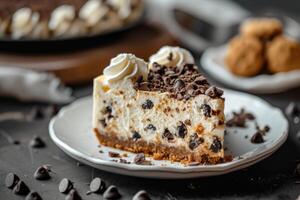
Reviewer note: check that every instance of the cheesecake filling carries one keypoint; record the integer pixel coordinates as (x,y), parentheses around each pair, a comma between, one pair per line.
(161,107)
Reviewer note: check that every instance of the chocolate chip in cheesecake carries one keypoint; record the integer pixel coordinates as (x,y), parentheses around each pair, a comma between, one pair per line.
(11,180)
(148,104)
(150,127)
(65,185)
(214,92)
(136,136)
(42,173)
(33,196)
(195,141)
(111,192)
(206,109)
(97,185)
(188,122)
(113,154)
(21,188)
(216,145)
(182,130)
(37,142)
(141,195)
(73,195)
(168,135)
(170,56)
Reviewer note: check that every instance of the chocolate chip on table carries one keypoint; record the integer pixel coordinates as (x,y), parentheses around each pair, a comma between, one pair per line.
(21,188)
(42,173)
(37,142)
(65,185)
(206,110)
(141,195)
(214,92)
(136,136)
(292,110)
(11,180)
(97,185)
(111,193)
(216,145)
(113,154)
(182,130)
(139,159)
(33,196)
(73,195)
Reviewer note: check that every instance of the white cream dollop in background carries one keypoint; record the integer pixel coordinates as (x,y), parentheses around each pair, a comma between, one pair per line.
(93,11)
(24,21)
(125,66)
(172,57)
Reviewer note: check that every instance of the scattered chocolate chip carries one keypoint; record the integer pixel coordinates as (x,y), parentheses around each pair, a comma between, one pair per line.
(108,110)
(136,136)
(148,104)
(73,195)
(37,142)
(124,161)
(214,92)
(139,159)
(111,193)
(103,122)
(182,130)
(21,188)
(141,195)
(33,196)
(97,185)
(150,127)
(168,135)
(216,145)
(113,154)
(206,110)
(39,113)
(194,164)
(257,138)
(11,180)
(42,173)
(239,119)
(65,185)
(292,110)
(100,151)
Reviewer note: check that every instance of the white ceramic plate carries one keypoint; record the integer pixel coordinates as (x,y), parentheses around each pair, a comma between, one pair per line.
(71,130)
(212,61)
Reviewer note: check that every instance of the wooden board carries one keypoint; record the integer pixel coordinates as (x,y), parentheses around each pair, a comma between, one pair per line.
(83,65)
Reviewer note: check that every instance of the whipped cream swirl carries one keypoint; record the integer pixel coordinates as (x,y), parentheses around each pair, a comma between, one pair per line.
(172,57)
(93,11)
(125,66)
(24,21)
(61,19)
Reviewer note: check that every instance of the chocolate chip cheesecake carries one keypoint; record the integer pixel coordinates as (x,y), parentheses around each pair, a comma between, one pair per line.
(165,108)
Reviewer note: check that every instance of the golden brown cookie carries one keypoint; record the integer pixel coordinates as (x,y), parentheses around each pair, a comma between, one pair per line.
(283,54)
(245,56)
(262,28)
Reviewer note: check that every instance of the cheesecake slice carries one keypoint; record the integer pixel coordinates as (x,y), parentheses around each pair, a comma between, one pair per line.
(165,109)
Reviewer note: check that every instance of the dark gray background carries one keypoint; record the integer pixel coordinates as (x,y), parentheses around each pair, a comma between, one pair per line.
(272,178)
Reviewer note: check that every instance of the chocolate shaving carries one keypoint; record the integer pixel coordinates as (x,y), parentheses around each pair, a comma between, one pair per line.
(239,119)
(180,82)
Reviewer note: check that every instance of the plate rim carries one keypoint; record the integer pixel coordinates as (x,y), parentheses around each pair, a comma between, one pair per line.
(224,167)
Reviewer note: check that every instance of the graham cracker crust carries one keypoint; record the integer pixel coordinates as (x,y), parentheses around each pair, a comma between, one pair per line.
(157,151)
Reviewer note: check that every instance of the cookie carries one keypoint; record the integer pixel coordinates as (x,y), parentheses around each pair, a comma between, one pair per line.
(245,56)
(262,28)
(283,54)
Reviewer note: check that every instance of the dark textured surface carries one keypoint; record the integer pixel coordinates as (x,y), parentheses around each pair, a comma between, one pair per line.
(272,178)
